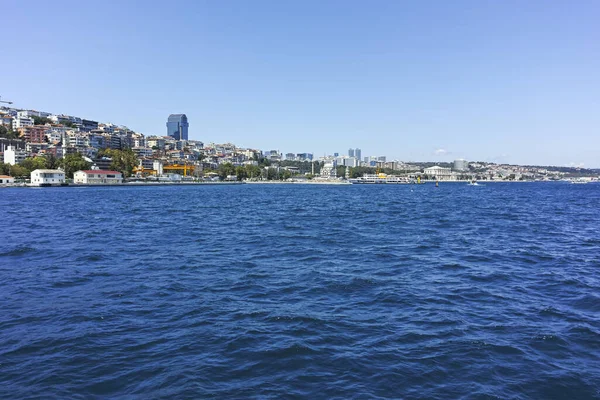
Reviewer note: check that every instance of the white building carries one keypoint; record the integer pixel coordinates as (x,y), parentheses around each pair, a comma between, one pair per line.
(32,113)
(328,171)
(4,179)
(21,122)
(47,177)
(13,155)
(440,173)
(97,176)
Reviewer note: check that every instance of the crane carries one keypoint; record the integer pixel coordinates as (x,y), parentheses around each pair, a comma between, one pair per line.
(7,102)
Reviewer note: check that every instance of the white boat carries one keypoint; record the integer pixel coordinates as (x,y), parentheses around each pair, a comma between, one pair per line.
(473,183)
(579,182)
(379,179)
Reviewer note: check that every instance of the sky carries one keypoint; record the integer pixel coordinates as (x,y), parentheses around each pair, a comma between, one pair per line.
(499,81)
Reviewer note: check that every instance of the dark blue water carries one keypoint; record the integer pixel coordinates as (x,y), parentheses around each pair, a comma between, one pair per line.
(298,291)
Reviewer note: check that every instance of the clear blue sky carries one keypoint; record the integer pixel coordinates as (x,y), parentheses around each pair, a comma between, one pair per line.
(504,81)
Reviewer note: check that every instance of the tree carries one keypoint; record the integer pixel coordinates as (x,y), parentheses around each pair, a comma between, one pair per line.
(74,162)
(286,175)
(41,121)
(252,171)
(123,161)
(225,170)
(51,161)
(33,163)
(4,168)
(8,133)
(19,172)
(241,173)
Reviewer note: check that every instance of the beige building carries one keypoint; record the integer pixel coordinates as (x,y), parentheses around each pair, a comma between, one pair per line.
(97,176)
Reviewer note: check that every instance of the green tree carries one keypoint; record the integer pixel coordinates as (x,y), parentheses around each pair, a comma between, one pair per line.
(124,161)
(4,168)
(225,170)
(241,173)
(33,163)
(286,175)
(72,163)
(8,133)
(19,172)
(51,161)
(252,171)
(41,121)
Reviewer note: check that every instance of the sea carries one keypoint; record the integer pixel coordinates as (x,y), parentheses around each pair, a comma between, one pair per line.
(295,291)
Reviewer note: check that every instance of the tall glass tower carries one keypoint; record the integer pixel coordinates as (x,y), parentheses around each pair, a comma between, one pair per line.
(177,126)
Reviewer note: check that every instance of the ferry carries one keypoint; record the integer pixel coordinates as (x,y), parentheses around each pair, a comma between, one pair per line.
(380,178)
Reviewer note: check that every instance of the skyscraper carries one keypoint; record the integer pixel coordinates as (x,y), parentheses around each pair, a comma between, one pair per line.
(177,126)
(357,154)
(350,152)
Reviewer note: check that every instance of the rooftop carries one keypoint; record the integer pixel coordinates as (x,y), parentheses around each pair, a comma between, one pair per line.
(99,171)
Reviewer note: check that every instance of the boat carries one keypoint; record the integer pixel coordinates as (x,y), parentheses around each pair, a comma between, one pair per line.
(473,183)
(380,178)
(579,181)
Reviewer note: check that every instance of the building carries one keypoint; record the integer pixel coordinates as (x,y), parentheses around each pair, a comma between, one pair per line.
(328,171)
(177,126)
(96,176)
(460,165)
(350,152)
(14,156)
(47,177)
(88,125)
(21,122)
(4,179)
(357,154)
(34,134)
(438,172)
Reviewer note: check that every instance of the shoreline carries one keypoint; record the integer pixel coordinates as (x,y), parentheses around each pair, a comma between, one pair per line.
(331,183)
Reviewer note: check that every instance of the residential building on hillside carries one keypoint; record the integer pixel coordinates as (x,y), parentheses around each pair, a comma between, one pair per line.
(14,156)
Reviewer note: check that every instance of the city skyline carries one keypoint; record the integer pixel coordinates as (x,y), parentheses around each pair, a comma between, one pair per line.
(507,83)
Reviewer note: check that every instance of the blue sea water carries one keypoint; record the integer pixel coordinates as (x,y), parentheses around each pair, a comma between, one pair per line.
(301,291)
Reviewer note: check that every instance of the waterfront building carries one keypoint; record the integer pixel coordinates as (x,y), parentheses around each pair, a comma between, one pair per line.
(177,126)
(96,176)
(329,171)
(47,177)
(4,179)
(440,173)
